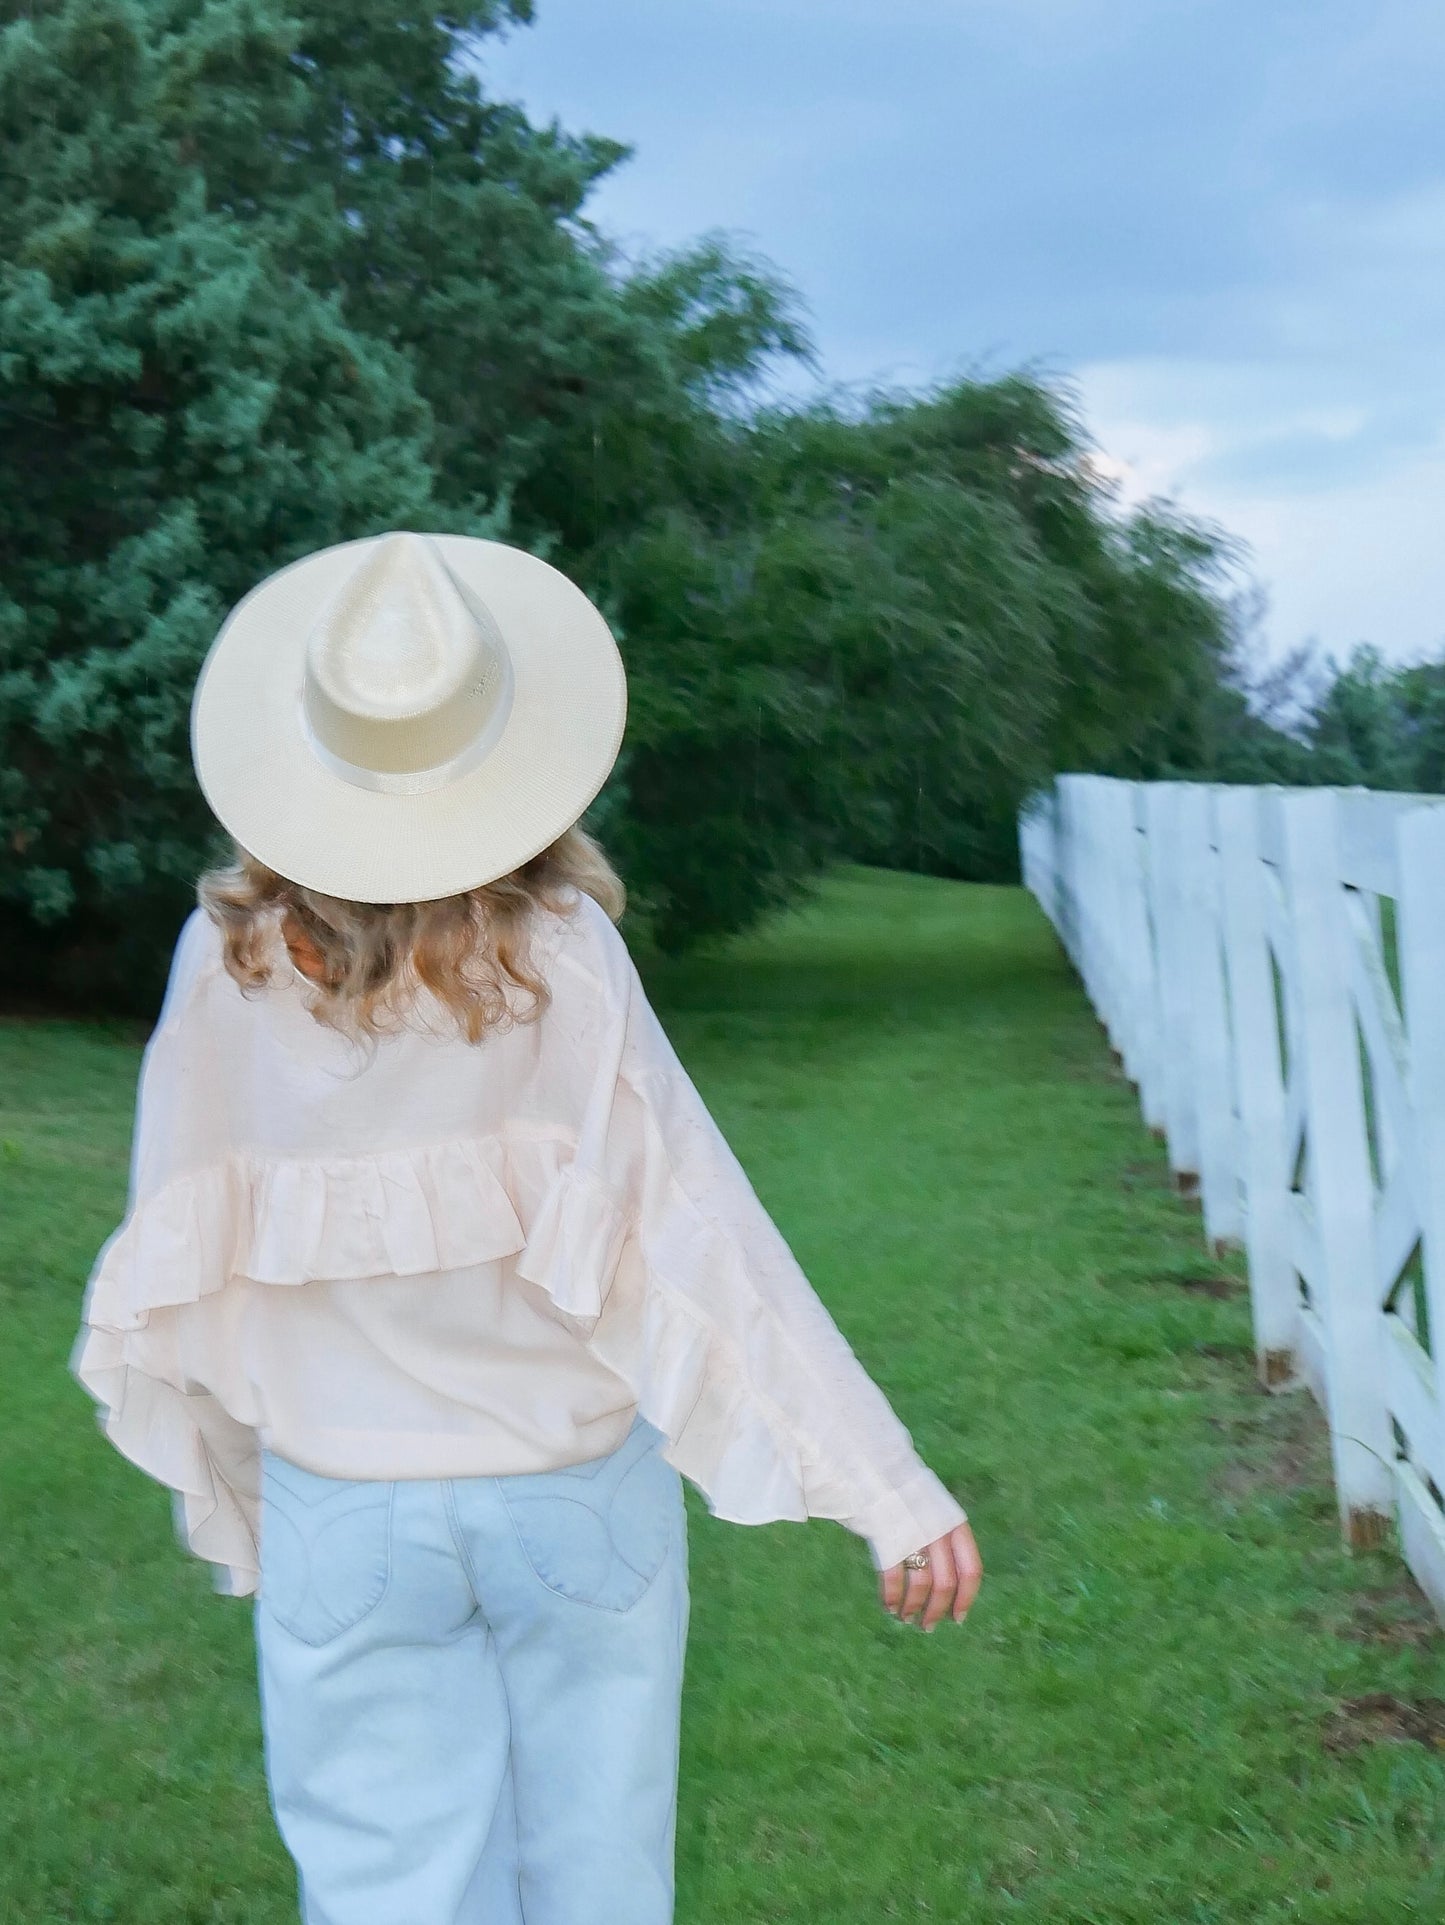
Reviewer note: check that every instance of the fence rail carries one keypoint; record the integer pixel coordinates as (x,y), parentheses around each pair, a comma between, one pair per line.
(1269,965)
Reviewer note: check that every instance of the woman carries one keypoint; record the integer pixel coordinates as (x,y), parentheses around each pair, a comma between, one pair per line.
(437,1276)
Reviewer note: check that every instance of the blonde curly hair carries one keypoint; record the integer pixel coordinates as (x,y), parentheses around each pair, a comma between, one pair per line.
(471,950)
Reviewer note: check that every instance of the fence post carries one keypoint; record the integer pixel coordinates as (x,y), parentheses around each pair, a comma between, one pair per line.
(1259,1081)
(1207,1013)
(1420,934)
(1087,875)
(1066,858)
(1161,815)
(1038,850)
(1152,1056)
(1340,1184)
(1108,959)
(1136,947)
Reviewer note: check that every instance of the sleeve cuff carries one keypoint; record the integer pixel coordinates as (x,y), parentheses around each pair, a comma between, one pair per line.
(908,1519)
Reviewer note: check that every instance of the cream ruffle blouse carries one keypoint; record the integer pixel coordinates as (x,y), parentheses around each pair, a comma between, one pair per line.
(443,1259)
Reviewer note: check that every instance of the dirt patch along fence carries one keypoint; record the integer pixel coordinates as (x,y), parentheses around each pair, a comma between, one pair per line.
(1269,965)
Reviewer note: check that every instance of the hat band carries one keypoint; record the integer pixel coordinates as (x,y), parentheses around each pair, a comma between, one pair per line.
(418,781)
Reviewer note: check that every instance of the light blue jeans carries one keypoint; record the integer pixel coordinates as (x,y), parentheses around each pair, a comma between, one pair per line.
(471,1690)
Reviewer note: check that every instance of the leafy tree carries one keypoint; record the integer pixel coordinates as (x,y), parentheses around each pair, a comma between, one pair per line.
(1091,638)
(1305,720)
(1421,689)
(1359,734)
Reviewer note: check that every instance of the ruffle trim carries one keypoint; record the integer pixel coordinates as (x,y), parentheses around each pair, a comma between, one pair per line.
(690,1334)
(288,1221)
(572,1248)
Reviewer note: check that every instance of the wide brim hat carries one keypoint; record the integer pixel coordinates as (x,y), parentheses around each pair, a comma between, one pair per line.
(407,716)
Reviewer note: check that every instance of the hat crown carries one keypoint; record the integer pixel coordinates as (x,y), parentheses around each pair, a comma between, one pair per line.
(406,678)
(404,717)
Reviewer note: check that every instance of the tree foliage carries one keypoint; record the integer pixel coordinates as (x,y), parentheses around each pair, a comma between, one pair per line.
(1306,720)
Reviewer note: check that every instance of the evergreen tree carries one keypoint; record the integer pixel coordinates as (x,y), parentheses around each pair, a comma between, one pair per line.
(180,415)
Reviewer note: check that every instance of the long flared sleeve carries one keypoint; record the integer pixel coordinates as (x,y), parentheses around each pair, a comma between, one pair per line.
(693,1294)
(167,1250)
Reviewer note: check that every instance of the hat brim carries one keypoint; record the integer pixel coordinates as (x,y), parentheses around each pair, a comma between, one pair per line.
(267,787)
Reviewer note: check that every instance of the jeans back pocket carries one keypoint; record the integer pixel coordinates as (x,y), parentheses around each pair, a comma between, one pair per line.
(598,1533)
(325,1549)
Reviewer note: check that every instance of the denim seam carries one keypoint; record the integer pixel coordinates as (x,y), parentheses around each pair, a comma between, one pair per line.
(531,1565)
(459,1541)
(586,1604)
(458,1537)
(320,1644)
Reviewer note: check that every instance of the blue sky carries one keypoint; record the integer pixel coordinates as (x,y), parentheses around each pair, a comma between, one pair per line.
(1222,220)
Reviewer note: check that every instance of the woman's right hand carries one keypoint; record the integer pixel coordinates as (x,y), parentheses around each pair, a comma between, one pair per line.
(949,1584)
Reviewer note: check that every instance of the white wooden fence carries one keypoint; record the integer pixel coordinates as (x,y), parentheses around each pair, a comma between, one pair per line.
(1270,966)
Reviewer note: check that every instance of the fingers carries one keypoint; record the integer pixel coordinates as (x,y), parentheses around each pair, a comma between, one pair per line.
(949,1584)
(906,1591)
(969,1566)
(939,1582)
(890,1586)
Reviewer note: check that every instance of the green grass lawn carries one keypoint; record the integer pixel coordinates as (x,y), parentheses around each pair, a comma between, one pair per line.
(1152,1714)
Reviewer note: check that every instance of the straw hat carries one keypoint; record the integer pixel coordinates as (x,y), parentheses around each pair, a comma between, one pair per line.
(407,716)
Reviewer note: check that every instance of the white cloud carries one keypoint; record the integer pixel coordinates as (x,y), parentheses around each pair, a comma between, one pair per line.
(1363,563)
(1355,560)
